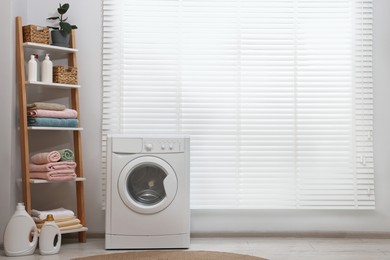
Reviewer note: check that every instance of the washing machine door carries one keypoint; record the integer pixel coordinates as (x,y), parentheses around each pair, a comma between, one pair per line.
(147,184)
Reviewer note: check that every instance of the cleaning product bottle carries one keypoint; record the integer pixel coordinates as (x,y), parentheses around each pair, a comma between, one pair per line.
(49,237)
(32,69)
(21,233)
(38,67)
(47,70)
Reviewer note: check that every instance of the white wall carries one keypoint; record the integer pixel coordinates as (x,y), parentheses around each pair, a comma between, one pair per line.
(6,130)
(86,15)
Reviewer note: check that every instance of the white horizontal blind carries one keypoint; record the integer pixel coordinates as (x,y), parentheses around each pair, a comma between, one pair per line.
(276,95)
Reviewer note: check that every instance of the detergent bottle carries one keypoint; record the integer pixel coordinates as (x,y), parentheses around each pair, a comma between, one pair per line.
(49,237)
(21,233)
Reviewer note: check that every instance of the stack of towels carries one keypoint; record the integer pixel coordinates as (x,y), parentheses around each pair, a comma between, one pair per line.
(53,166)
(51,115)
(64,218)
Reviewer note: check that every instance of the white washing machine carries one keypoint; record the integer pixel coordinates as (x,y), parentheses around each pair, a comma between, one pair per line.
(147,192)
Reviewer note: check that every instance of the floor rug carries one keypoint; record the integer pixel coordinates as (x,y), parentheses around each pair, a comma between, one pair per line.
(172,255)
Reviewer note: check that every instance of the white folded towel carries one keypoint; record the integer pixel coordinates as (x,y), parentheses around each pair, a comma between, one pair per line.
(57,213)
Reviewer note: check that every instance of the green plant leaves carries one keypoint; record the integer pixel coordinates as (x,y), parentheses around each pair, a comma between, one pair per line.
(63,25)
(66,27)
(63,8)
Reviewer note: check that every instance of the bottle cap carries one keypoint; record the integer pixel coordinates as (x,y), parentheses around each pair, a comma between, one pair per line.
(49,217)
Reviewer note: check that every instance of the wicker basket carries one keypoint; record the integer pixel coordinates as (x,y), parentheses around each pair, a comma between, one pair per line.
(33,33)
(65,76)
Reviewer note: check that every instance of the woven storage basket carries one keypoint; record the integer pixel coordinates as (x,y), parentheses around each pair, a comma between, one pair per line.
(65,76)
(33,33)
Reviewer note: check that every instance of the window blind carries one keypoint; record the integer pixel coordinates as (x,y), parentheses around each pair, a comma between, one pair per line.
(275,94)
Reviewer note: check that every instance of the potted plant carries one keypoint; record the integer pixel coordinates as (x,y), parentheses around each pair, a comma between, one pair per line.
(61,33)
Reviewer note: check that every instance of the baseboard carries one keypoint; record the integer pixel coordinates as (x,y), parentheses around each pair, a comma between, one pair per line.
(308,234)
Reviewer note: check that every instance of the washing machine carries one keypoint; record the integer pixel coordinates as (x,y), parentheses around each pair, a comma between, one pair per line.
(147,192)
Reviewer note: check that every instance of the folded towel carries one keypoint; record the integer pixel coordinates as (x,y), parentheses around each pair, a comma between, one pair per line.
(57,213)
(52,122)
(57,219)
(66,155)
(44,158)
(67,113)
(57,175)
(46,106)
(52,166)
(68,223)
(77,226)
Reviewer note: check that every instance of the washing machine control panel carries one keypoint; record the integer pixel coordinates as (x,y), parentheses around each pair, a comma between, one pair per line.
(163,145)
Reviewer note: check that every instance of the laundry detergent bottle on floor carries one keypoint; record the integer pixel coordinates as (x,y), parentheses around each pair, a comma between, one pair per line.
(21,233)
(49,237)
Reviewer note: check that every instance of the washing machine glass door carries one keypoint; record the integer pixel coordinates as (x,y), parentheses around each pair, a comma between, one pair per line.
(147,184)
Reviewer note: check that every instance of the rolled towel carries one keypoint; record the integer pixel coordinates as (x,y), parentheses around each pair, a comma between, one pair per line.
(57,213)
(52,166)
(66,155)
(43,158)
(46,106)
(67,113)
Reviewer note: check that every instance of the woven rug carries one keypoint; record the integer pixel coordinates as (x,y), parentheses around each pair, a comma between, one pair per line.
(172,255)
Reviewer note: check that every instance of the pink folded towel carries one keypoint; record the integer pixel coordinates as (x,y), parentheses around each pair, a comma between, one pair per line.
(58,175)
(43,158)
(52,166)
(67,113)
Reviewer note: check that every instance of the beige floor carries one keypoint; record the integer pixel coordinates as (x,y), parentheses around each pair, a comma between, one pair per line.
(273,248)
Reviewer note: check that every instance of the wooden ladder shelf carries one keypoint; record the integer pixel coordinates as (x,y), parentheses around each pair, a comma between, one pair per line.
(70,54)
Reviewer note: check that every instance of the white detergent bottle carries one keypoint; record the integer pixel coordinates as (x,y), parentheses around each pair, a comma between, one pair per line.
(47,70)
(21,233)
(49,237)
(32,69)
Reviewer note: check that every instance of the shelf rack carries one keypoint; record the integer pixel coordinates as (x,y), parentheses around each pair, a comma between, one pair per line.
(24,50)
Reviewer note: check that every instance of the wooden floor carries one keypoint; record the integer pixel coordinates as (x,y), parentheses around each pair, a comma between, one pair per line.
(273,248)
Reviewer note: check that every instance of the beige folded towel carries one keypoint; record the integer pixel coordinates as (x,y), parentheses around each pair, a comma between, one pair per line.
(60,224)
(57,219)
(66,113)
(46,106)
(71,227)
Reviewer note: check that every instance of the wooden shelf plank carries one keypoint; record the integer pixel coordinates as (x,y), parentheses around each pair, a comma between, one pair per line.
(55,128)
(39,181)
(55,52)
(51,85)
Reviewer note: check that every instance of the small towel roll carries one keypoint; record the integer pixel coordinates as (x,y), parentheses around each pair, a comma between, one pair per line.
(66,155)
(43,158)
